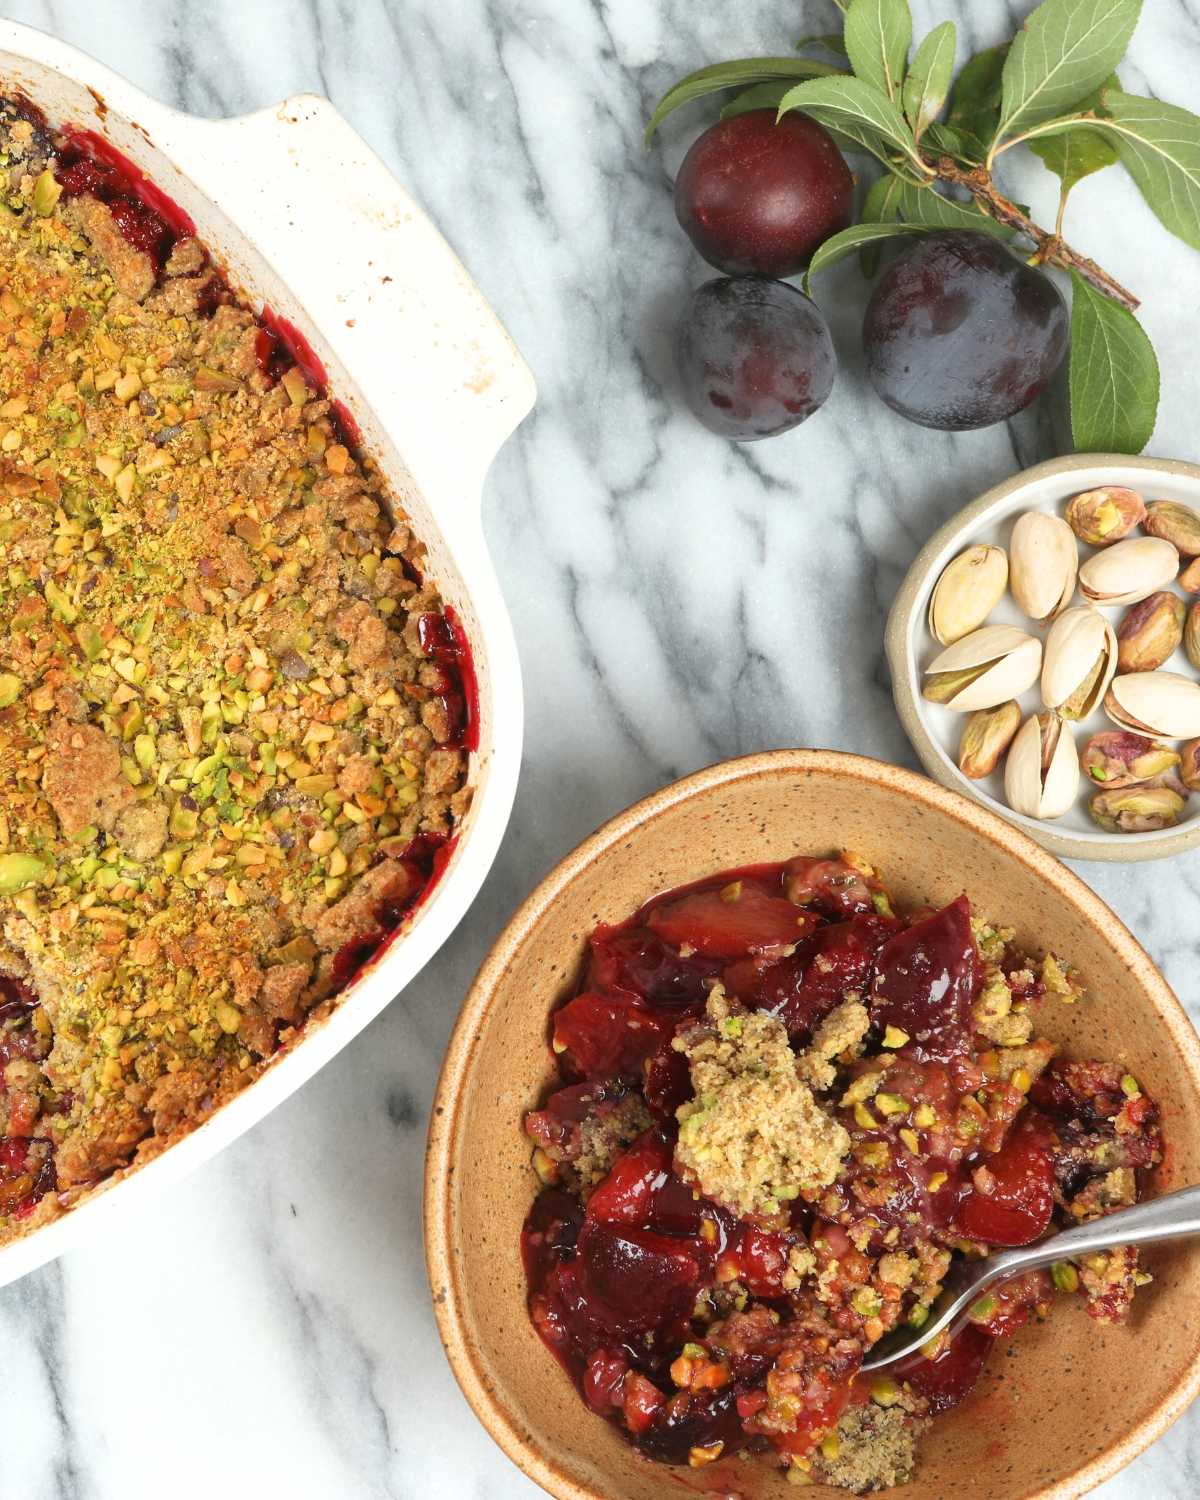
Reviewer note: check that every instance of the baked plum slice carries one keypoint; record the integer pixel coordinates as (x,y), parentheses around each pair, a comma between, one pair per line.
(735,921)
(803,988)
(925,980)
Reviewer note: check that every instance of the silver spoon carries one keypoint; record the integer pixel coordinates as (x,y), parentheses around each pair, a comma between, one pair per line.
(1174,1216)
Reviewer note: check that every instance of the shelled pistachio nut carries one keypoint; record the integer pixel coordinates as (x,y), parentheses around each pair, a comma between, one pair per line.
(986,735)
(1041,775)
(1042,562)
(969,589)
(1137,809)
(1189,765)
(1155,703)
(1118,757)
(1079,662)
(985,668)
(1174,523)
(1150,632)
(1128,571)
(1102,517)
(1191,634)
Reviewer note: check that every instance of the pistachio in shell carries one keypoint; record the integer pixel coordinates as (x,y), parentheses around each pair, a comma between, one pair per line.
(985,668)
(1079,661)
(1151,632)
(1118,757)
(970,587)
(1163,703)
(986,735)
(1128,571)
(1174,523)
(1189,579)
(1041,775)
(1144,808)
(1042,563)
(1102,517)
(1189,765)
(1191,634)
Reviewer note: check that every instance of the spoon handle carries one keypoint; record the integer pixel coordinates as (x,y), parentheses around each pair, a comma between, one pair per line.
(1174,1216)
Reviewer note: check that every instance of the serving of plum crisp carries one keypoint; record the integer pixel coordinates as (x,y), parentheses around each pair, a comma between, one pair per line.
(786,1105)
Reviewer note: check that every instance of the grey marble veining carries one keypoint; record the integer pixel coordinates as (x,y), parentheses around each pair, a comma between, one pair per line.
(677,600)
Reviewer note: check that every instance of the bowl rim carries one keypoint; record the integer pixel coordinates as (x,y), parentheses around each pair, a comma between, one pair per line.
(446,1141)
(902,617)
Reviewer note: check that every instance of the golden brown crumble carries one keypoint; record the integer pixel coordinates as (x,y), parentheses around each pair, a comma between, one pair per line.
(217,718)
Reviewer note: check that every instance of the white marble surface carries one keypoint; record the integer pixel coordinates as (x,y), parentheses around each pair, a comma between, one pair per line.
(677,600)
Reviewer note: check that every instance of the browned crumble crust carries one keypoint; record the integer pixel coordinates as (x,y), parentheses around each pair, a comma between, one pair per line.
(217,720)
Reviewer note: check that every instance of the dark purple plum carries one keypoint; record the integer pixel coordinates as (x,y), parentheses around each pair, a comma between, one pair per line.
(757,198)
(961,333)
(754,357)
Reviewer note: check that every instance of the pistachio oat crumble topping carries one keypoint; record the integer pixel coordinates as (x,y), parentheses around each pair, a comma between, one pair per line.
(231,737)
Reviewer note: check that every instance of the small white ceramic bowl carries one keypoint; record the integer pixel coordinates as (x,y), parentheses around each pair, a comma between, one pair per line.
(304,216)
(935,731)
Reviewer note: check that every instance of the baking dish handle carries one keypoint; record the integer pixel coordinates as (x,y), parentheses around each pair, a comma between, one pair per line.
(389,297)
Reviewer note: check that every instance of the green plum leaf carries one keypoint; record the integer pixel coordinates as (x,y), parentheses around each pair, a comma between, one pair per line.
(1066,49)
(878,35)
(924,206)
(761,96)
(1113,375)
(879,207)
(928,80)
(1160,146)
(730,75)
(831,41)
(841,246)
(857,110)
(975,98)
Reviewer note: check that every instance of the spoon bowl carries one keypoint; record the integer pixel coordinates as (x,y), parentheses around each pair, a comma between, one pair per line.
(1174,1216)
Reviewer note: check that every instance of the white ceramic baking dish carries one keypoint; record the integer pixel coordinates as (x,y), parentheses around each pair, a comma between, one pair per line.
(305,217)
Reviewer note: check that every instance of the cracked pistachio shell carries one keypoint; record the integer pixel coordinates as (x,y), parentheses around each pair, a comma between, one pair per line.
(1189,765)
(986,735)
(1102,517)
(1041,775)
(1150,632)
(1191,634)
(1079,663)
(1042,561)
(969,589)
(984,669)
(1118,757)
(1137,809)
(1155,703)
(1129,571)
(1174,523)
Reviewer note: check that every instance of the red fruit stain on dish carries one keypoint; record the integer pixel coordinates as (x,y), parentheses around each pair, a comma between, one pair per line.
(146,217)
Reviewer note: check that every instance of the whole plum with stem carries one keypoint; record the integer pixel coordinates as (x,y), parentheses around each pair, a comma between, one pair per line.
(961,333)
(754,357)
(757,197)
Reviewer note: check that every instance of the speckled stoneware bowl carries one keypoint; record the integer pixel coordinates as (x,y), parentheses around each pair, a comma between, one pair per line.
(1058,1410)
(935,731)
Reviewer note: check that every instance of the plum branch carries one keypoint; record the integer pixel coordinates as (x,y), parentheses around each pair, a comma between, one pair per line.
(1051,249)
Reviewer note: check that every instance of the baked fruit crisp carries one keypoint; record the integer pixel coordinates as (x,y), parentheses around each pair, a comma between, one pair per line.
(786,1104)
(234,715)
